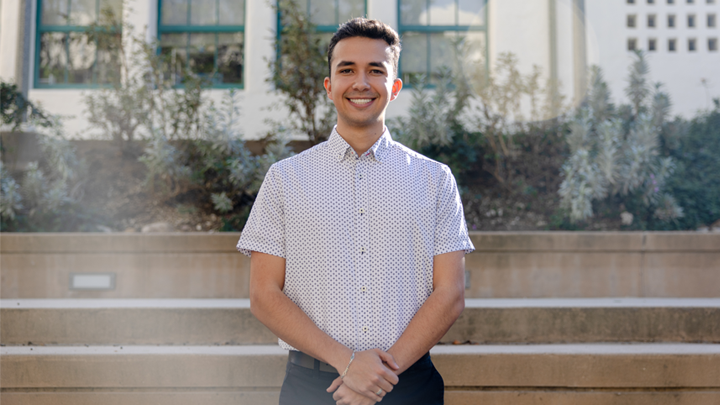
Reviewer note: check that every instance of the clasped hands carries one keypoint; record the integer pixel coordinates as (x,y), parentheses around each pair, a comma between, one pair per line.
(370,372)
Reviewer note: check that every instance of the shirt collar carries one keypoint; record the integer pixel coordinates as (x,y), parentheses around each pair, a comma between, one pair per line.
(340,148)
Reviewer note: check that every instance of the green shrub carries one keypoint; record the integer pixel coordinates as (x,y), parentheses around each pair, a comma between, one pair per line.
(696,181)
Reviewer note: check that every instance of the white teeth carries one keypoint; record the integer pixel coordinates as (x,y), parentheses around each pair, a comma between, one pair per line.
(361,100)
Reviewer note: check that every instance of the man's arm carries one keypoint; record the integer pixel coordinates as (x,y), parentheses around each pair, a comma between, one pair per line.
(276,311)
(437,314)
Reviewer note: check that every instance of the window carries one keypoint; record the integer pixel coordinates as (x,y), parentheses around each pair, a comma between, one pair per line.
(670,1)
(436,33)
(712,44)
(691,21)
(630,1)
(204,36)
(651,21)
(711,20)
(631,20)
(651,1)
(692,45)
(327,15)
(671,21)
(652,44)
(690,1)
(672,45)
(632,44)
(710,1)
(64,54)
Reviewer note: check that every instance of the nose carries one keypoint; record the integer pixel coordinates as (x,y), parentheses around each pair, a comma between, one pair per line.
(361,82)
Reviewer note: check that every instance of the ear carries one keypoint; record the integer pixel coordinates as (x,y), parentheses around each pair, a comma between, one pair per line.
(327,85)
(396,87)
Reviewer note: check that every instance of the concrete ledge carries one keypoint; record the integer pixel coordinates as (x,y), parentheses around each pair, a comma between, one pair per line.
(505,265)
(223,322)
(597,366)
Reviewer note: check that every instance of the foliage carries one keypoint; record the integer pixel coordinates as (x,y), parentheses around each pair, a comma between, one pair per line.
(502,97)
(696,180)
(435,128)
(618,154)
(46,195)
(215,168)
(297,74)
(16,109)
(143,98)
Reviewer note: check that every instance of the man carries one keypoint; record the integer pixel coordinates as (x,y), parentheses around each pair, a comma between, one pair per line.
(357,245)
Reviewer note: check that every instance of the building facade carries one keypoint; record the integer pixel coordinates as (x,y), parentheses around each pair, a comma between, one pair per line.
(42,48)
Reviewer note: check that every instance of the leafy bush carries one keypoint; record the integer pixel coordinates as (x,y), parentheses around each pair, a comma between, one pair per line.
(618,153)
(45,197)
(696,180)
(297,74)
(216,169)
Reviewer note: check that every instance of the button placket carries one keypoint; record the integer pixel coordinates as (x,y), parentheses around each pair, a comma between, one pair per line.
(363,237)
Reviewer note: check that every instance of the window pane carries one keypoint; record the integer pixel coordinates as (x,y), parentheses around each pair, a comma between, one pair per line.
(414,56)
(107,67)
(232,12)
(53,58)
(114,6)
(174,12)
(203,12)
(201,55)
(413,12)
(350,9)
(322,12)
(173,48)
(82,12)
(54,12)
(230,58)
(442,52)
(81,59)
(471,12)
(442,12)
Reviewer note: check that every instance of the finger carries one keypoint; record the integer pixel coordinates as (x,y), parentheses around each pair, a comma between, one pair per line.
(389,376)
(384,385)
(335,384)
(373,395)
(388,358)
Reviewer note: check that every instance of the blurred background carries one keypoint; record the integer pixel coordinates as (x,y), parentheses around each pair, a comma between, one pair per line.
(164,115)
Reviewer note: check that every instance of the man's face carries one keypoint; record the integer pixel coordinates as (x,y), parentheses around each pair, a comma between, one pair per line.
(362,84)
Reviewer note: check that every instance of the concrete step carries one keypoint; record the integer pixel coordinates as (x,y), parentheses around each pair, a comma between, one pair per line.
(229,322)
(490,374)
(505,265)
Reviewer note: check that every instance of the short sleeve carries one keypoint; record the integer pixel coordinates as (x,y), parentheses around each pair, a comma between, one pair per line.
(265,229)
(451,232)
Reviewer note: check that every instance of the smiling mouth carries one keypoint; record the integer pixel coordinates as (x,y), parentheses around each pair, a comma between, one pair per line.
(361,101)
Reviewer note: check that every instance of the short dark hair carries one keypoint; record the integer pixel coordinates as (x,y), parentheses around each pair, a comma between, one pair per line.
(373,29)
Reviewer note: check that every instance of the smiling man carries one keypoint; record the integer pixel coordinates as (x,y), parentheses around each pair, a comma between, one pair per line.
(357,245)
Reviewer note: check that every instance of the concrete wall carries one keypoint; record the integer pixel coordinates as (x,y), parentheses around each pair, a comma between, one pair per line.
(505,265)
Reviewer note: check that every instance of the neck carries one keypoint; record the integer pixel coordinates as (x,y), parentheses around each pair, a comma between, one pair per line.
(361,138)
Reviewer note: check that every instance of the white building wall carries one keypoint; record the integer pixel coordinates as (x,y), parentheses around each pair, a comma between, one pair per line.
(10,51)
(681,71)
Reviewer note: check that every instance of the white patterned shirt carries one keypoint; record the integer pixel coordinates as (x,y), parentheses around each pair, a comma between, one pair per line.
(358,234)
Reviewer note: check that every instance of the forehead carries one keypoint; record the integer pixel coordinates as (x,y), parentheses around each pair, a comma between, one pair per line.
(362,50)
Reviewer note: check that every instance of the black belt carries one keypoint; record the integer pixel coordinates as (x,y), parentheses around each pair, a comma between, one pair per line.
(303,360)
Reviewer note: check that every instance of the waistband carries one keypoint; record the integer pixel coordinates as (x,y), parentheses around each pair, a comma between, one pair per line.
(303,360)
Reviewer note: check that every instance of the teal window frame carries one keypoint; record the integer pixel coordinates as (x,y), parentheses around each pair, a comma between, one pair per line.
(205,29)
(318,28)
(429,29)
(63,29)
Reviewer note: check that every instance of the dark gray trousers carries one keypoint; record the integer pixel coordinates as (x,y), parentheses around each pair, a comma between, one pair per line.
(420,384)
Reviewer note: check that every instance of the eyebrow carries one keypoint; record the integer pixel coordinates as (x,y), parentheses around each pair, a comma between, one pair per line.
(344,63)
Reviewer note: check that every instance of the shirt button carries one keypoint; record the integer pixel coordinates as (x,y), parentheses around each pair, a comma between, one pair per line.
(362,210)
(360,176)
(362,250)
(363,289)
(365,329)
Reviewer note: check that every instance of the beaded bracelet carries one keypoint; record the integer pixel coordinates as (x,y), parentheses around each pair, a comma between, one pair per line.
(342,377)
